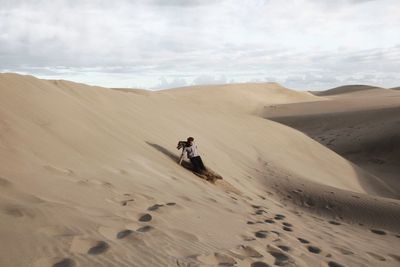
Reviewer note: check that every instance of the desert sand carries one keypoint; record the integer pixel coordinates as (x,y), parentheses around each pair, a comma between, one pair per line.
(361,123)
(89,176)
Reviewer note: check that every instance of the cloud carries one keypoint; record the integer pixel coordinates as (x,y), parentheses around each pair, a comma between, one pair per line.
(184,3)
(209,79)
(174,83)
(158,44)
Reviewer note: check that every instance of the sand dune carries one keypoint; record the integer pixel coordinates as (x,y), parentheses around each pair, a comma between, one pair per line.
(89,178)
(355,101)
(248,97)
(133,91)
(364,129)
(346,89)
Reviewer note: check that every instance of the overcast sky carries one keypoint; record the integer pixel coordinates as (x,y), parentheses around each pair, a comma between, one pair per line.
(302,44)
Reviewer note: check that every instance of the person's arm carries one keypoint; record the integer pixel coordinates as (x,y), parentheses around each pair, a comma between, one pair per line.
(181,157)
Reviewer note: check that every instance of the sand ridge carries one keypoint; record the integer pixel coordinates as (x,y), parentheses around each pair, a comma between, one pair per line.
(347,89)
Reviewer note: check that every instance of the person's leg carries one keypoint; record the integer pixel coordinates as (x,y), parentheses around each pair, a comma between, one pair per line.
(201,164)
(195,163)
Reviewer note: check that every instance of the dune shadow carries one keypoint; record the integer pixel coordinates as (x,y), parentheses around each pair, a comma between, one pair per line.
(374,157)
(171,155)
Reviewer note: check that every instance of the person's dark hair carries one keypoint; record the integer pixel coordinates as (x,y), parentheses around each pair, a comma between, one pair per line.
(190,139)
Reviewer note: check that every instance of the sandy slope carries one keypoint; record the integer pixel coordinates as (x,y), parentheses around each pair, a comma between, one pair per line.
(361,125)
(89,178)
(248,98)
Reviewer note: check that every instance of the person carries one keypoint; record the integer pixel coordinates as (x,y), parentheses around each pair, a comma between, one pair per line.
(191,150)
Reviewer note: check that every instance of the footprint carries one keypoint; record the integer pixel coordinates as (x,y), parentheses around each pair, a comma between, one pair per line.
(249,251)
(279,217)
(261,234)
(224,260)
(64,263)
(314,249)
(284,248)
(125,202)
(250,222)
(344,251)
(248,238)
(171,204)
(259,264)
(98,248)
(88,246)
(287,224)
(124,233)
(145,229)
(55,262)
(334,264)
(376,256)
(287,229)
(269,221)
(145,218)
(260,212)
(154,207)
(304,241)
(378,231)
(334,222)
(281,258)
(276,232)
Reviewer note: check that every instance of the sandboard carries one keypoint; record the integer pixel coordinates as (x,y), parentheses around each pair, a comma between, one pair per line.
(209,175)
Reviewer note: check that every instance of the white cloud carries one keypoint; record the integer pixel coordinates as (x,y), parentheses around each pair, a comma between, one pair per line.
(301,43)
(173,83)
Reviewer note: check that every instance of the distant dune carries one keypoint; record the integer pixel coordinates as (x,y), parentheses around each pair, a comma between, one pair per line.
(89,177)
(346,89)
(133,90)
(245,97)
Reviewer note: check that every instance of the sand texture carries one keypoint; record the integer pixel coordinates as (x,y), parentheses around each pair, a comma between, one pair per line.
(89,176)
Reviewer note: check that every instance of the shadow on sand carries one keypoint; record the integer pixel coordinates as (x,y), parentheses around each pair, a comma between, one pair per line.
(171,155)
(207,174)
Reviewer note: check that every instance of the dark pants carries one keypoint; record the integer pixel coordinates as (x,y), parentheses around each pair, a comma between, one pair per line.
(198,165)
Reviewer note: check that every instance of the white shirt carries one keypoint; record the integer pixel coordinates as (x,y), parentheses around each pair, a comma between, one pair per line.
(191,151)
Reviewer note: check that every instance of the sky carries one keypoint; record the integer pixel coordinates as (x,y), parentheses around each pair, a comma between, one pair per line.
(157,44)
